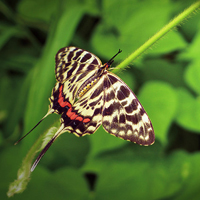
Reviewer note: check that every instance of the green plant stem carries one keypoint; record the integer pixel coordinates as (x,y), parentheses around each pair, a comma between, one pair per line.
(175,22)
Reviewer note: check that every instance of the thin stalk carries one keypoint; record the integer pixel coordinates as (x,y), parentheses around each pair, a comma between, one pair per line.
(175,22)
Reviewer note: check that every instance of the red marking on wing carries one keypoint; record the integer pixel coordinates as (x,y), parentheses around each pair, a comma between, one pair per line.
(86,120)
(73,116)
(79,118)
(61,99)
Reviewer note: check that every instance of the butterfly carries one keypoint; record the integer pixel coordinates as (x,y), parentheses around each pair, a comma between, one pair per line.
(87,95)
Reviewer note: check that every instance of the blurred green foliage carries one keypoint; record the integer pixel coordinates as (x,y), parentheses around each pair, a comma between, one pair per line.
(166,80)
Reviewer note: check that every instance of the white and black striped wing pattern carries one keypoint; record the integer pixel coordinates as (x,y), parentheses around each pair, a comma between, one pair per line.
(73,61)
(88,114)
(87,95)
(123,115)
(73,67)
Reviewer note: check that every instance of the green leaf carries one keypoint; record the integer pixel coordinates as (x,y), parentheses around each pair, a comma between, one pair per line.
(188,113)
(122,27)
(142,176)
(190,189)
(162,70)
(160,101)
(44,184)
(192,52)
(64,183)
(10,160)
(68,150)
(7,32)
(192,75)
(37,10)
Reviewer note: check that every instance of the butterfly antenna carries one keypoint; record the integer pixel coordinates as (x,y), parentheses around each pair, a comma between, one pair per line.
(33,128)
(112,59)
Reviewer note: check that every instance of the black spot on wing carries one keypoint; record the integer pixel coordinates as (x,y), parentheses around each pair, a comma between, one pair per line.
(148,125)
(65,66)
(97,92)
(71,88)
(70,55)
(81,128)
(122,118)
(109,110)
(95,62)
(82,76)
(142,111)
(141,131)
(86,57)
(97,111)
(120,95)
(112,79)
(123,103)
(77,55)
(129,118)
(59,77)
(125,90)
(129,127)
(91,67)
(151,137)
(115,119)
(73,79)
(110,96)
(94,103)
(134,118)
(84,102)
(131,107)
(69,73)
(81,66)
(106,83)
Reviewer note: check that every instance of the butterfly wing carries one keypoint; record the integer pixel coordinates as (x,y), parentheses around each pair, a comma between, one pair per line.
(74,66)
(84,117)
(123,115)
(71,61)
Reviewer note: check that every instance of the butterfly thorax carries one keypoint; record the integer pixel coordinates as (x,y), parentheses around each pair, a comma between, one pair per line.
(91,81)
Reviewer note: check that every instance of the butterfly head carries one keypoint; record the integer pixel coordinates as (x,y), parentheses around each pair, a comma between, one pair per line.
(107,65)
(112,59)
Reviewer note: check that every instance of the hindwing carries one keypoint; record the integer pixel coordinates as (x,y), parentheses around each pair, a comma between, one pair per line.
(123,115)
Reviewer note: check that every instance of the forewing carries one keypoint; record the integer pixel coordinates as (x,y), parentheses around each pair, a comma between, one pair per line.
(74,66)
(71,61)
(123,115)
(85,116)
